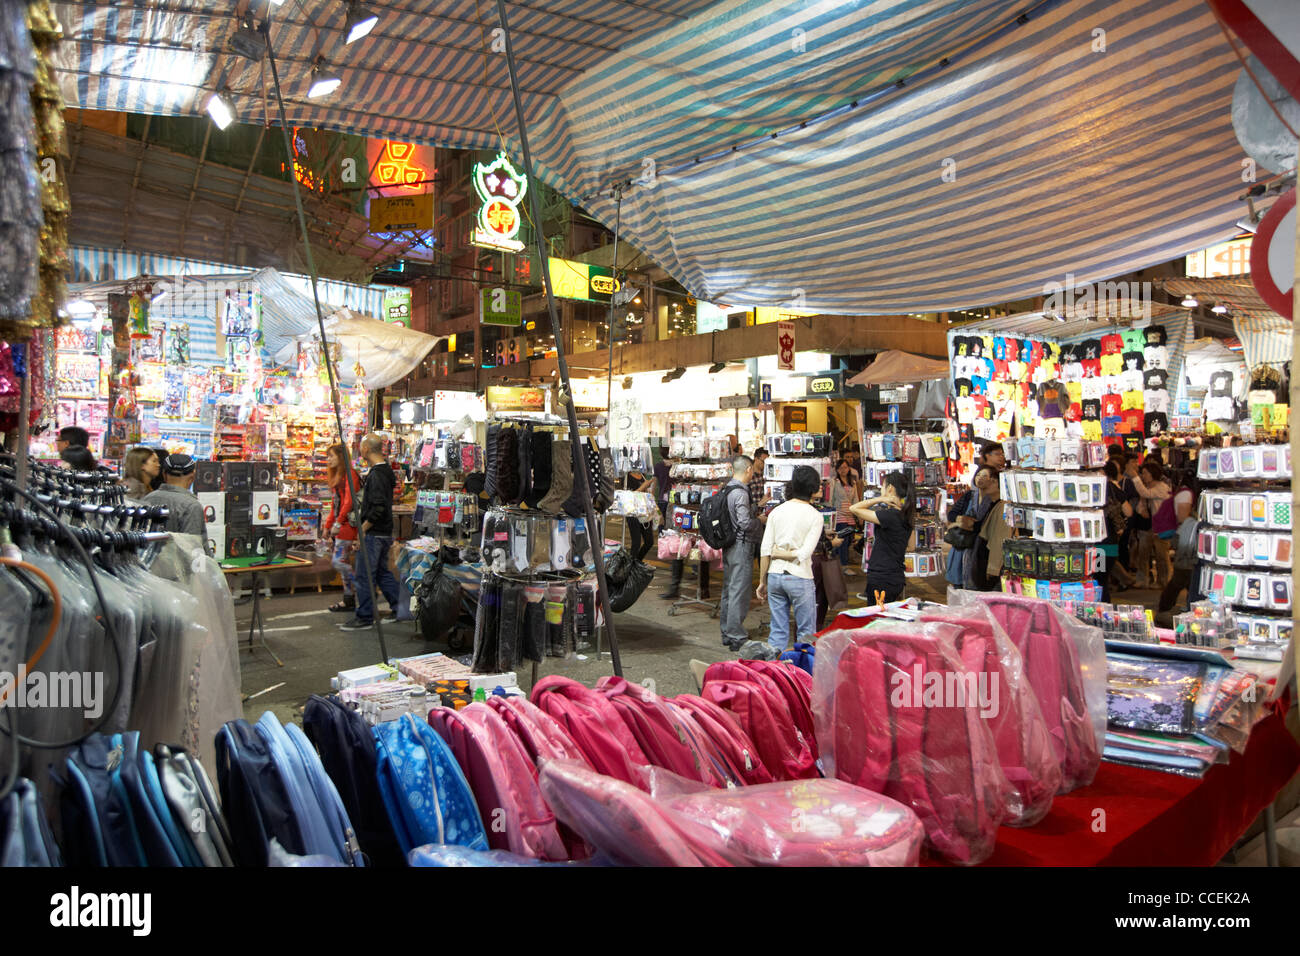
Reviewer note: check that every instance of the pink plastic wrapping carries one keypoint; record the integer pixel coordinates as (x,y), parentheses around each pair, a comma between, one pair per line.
(796,823)
(1020,733)
(761,708)
(895,714)
(1065,662)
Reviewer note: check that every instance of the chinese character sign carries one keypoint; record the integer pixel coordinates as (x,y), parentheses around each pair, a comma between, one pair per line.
(501,188)
(785,346)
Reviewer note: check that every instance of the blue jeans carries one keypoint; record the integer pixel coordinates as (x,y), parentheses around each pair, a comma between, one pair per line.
(786,593)
(847,530)
(377,551)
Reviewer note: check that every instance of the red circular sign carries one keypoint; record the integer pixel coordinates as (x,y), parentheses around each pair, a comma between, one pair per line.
(1272,242)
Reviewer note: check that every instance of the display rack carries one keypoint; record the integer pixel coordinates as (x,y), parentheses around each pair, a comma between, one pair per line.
(1244,541)
(921,457)
(697,474)
(1054,494)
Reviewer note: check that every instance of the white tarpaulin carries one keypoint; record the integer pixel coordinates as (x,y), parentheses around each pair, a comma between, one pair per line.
(897,368)
(386,351)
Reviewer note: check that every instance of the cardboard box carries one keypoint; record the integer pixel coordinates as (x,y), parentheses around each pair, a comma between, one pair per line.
(265,508)
(216,534)
(208,476)
(214,506)
(265,476)
(239,476)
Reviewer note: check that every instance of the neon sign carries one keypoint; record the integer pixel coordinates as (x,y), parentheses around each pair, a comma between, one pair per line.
(500,189)
(397,169)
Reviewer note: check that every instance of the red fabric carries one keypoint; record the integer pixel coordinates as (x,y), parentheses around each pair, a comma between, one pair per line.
(1153,818)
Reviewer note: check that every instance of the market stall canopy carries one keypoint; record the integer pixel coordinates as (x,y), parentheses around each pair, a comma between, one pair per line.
(386,351)
(875,157)
(894,367)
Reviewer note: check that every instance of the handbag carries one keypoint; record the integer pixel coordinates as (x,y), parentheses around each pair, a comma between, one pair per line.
(832,572)
(960,538)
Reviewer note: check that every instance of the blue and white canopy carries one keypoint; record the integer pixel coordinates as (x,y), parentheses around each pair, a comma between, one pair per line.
(869,156)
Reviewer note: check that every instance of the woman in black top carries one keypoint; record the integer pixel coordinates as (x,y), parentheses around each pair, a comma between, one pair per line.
(638,531)
(894,515)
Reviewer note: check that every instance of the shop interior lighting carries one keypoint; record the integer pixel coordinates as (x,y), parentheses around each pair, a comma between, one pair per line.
(221,108)
(361,20)
(81,309)
(1189,302)
(1220,308)
(324,81)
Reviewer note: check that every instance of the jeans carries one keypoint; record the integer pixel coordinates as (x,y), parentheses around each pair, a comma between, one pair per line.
(847,530)
(737,585)
(377,553)
(786,593)
(343,566)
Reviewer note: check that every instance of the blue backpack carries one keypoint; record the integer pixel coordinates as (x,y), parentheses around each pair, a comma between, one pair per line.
(801,656)
(424,789)
(347,752)
(113,810)
(25,838)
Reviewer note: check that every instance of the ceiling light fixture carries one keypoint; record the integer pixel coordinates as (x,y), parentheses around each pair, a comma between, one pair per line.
(1220,308)
(249,41)
(324,81)
(1189,302)
(361,20)
(221,108)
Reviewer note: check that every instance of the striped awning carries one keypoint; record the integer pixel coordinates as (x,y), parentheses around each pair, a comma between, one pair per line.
(877,156)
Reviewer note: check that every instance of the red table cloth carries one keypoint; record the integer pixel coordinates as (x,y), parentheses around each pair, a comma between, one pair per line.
(1129,816)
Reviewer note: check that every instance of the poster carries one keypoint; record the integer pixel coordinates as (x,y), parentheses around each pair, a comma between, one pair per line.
(93,415)
(65,412)
(173,399)
(77,375)
(152,379)
(73,338)
(150,348)
(178,343)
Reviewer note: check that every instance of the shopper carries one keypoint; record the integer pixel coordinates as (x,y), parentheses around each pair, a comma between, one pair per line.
(184,513)
(338,523)
(162,454)
(71,435)
(1121,577)
(844,492)
(141,467)
(986,572)
(738,559)
(785,574)
(968,515)
(77,458)
(1179,512)
(994,455)
(894,515)
(1151,490)
(640,533)
(376,518)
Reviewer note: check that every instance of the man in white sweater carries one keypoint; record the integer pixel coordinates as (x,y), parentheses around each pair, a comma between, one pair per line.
(785,572)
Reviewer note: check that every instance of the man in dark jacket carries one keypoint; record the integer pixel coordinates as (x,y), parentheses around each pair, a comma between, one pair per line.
(376,518)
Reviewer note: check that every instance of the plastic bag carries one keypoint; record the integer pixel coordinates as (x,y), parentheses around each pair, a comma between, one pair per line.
(439,603)
(894,713)
(623,594)
(1065,663)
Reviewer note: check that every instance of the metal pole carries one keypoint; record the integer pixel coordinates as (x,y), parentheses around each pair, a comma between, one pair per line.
(24,409)
(581,478)
(609,381)
(325,353)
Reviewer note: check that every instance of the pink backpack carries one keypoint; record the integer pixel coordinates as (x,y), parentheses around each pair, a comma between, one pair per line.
(1020,733)
(877,731)
(657,730)
(595,726)
(766,719)
(1052,666)
(726,740)
(504,780)
(795,685)
(617,818)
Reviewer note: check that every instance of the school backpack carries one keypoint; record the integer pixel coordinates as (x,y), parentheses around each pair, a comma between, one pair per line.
(1020,734)
(659,732)
(1064,662)
(801,656)
(716,527)
(726,739)
(426,794)
(347,752)
(504,781)
(595,726)
(877,730)
(273,786)
(193,803)
(763,713)
(110,817)
(794,686)
(25,837)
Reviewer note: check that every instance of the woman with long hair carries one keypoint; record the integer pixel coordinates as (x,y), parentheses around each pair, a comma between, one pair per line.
(894,515)
(1151,490)
(969,513)
(338,523)
(141,467)
(844,492)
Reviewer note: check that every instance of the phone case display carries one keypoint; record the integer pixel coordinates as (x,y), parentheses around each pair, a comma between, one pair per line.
(1244,542)
(913,454)
(1118,622)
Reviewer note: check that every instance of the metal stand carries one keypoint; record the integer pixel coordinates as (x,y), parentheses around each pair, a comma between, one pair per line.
(713,606)
(1270,836)
(256,624)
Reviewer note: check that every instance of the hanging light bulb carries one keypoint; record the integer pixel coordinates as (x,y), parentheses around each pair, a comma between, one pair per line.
(360,21)
(324,81)
(221,108)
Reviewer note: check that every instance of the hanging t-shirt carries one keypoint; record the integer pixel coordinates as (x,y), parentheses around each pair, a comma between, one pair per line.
(1131,380)
(1155,423)
(1156,400)
(962,387)
(1110,424)
(1075,412)
(1092,429)
(1093,388)
(999,348)
(1133,360)
(1131,421)
(1156,356)
(1154,335)
(960,346)
(1075,391)
(1000,370)
(1052,399)
(1221,383)
(1071,353)
(1130,400)
(1110,405)
(1154,378)
(1112,344)
(1112,363)
(1135,340)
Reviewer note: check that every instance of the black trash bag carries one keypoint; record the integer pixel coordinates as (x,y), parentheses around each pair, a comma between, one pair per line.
(439,604)
(618,565)
(622,596)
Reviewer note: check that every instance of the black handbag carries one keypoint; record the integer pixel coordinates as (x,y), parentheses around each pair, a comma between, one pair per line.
(960,538)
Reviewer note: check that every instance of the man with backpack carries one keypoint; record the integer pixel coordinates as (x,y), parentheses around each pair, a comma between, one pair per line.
(728,523)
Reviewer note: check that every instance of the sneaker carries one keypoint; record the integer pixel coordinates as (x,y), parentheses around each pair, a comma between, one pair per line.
(356,624)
